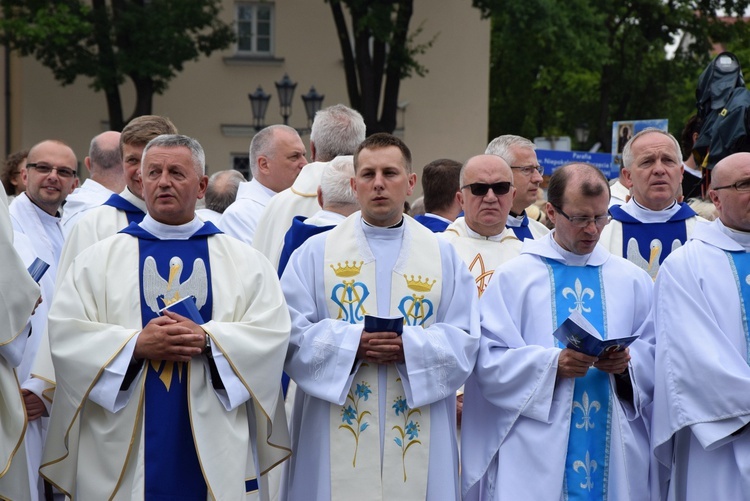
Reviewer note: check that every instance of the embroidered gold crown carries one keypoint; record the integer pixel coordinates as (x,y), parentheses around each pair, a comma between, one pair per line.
(418,285)
(347,270)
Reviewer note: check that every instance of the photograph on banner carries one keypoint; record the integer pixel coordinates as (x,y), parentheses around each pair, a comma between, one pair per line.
(623,130)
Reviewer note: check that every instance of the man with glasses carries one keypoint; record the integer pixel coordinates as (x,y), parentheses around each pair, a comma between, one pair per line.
(543,421)
(701,403)
(652,223)
(480,236)
(50,176)
(519,153)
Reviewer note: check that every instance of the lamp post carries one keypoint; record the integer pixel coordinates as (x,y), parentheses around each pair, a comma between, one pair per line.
(313,102)
(259,104)
(285,87)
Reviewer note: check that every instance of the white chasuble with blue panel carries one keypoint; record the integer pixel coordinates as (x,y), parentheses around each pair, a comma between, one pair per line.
(171,270)
(648,244)
(740,264)
(350,283)
(587,461)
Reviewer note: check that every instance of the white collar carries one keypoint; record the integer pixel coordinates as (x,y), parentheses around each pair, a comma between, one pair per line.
(168,231)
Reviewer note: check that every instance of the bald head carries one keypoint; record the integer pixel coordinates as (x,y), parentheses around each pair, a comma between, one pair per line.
(486,194)
(732,204)
(104,161)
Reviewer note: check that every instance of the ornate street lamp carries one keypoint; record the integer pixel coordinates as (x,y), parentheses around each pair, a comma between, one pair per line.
(285,88)
(313,102)
(259,104)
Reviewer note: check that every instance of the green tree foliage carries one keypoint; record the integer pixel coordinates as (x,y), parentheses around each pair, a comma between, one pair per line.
(555,64)
(145,41)
(378,52)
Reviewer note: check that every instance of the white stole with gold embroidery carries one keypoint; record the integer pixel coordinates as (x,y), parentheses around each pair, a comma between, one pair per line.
(350,283)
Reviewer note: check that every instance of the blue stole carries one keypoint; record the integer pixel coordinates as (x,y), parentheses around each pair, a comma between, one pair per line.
(133,213)
(522,232)
(172,469)
(645,233)
(587,459)
(739,261)
(297,234)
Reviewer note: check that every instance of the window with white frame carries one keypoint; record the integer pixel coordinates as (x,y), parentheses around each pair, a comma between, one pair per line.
(254,28)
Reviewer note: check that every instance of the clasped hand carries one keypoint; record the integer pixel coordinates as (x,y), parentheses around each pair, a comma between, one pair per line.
(380,348)
(170,337)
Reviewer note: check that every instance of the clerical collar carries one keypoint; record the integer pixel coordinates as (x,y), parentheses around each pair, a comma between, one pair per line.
(571,258)
(646,215)
(741,237)
(474,234)
(168,231)
(397,225)
(395,232)
(517,216)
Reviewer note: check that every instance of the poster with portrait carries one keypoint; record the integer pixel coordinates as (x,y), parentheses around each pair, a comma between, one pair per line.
(623,131)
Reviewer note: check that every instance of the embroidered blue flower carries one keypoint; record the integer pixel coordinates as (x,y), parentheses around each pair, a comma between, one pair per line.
(364,426)
(363,390)
(411,430)
(398,441)
(400,406)
(348,414)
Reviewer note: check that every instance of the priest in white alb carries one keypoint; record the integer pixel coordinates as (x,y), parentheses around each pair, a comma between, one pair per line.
(123,208)
(542,421)
(480,236)
(702,397)
(173,405)
(374,414)
(18,295)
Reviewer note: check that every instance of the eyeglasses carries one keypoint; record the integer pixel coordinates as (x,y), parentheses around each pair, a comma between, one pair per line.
(743,185)
(584,221)
(45,169)
(481,189)
(528,170)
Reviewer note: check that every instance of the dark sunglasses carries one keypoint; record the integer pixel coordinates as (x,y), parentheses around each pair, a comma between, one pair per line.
(481,189)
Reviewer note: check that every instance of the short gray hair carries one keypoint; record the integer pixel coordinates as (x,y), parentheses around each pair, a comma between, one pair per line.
(222,189)
(176,141)
(336,130)
(262,144)
(627,151)
(502,145)
(335,184)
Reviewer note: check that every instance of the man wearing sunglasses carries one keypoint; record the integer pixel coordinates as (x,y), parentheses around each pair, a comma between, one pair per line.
(50,176)
(532,401)
(480,236)
(701,296)
(519,153)
(652,223)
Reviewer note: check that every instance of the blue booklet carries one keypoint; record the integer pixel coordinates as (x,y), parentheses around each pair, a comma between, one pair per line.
(578,334)
(187,308)
(384,324)
(37,269)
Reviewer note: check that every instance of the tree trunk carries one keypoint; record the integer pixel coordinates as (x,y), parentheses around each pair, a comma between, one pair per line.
(106,59)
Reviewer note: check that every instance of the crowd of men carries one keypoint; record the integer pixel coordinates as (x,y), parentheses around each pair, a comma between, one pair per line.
(299,337)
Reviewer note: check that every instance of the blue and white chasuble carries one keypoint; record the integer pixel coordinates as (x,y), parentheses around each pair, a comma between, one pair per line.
(133,213)
(171,270)
(648,244)
(586,465)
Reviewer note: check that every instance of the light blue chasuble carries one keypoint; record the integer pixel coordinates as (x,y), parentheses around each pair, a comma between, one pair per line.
(171,270)
(587,461)
(740,264)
